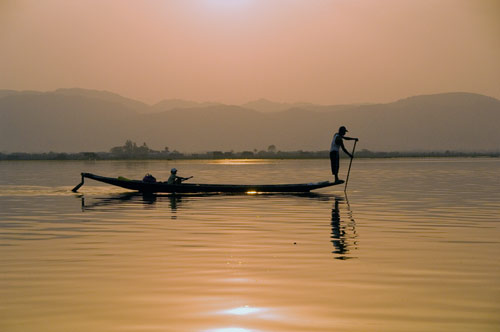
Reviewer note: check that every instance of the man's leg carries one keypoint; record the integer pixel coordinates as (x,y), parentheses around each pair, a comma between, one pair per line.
(334,163)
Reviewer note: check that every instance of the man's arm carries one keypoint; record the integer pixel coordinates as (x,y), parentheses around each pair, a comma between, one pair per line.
(348,139)
(345,150)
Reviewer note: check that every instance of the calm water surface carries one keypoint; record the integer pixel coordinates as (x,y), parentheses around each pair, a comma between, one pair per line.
(414,246)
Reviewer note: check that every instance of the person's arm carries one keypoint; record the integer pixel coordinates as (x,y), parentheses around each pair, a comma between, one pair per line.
(345,150)
(340,142)
(348,139)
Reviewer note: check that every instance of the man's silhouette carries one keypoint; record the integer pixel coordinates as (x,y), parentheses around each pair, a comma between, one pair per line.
(337,144)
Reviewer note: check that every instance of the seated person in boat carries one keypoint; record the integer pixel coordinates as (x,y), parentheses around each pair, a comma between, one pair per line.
(174,179)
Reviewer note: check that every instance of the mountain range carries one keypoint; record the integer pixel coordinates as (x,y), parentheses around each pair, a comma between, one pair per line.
(74,120)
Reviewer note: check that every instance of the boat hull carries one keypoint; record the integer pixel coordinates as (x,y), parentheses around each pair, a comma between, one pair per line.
(163,187)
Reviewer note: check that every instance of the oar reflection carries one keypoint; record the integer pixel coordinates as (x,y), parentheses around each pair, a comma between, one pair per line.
(344,234)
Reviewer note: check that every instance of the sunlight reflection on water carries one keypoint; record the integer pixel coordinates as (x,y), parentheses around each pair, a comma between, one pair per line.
(231,329)
(238,162)
(246,310)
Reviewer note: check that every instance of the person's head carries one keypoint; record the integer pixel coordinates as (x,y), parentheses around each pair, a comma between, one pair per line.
(342,130)
(173,170)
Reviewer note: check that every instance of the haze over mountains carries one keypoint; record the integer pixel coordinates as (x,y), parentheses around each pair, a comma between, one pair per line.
(74,120)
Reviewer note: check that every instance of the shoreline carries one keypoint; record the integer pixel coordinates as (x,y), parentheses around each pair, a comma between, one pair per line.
(217,155)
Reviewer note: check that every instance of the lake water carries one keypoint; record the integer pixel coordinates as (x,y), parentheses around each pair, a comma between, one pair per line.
(415,246)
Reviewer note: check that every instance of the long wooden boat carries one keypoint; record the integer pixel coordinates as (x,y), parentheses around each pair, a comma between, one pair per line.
(163,187)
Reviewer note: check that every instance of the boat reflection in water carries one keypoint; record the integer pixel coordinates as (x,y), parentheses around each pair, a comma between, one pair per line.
(343,231)
(146,199)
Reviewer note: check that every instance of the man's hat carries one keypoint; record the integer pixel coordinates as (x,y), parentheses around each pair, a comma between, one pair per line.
(343,129)
(173,170)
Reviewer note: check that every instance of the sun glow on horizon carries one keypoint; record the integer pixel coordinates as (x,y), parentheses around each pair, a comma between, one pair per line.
(235,9)
(229,4)
(233,51)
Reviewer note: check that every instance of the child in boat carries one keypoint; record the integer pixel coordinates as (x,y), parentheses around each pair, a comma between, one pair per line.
(337,143)
(174,179)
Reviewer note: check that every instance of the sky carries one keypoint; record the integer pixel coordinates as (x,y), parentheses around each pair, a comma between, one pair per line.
(235,51)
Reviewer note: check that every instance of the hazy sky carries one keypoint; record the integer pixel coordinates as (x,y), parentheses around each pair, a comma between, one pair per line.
(233,51)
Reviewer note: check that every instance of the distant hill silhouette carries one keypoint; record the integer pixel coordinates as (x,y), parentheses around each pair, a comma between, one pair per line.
(104,96)
(172,104)
(264,105)
(4,93)
(267,106)
(131,104)
(73,120)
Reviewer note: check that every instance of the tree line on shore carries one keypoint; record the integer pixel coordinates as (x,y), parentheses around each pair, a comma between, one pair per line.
(131,151)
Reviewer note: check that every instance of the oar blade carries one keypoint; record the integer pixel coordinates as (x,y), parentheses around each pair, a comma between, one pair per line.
(75,189)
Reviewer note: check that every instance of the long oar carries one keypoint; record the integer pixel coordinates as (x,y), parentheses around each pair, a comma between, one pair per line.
(75,189)
(350,163)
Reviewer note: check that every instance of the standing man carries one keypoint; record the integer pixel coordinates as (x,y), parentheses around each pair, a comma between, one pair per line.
(337,143)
